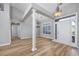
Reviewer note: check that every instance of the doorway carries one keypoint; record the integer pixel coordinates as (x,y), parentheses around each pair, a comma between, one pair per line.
(15,31)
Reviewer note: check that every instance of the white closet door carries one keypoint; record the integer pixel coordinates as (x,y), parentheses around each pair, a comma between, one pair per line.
(64,31)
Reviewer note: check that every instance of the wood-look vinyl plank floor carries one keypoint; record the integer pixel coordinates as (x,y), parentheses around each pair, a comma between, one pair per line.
(45,47)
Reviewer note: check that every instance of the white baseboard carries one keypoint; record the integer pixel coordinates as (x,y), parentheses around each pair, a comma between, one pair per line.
(25,37)
(70,44)
(48,37)
(5,44)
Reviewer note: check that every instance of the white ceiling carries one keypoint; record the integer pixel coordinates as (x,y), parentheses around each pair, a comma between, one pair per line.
(18,9)
(21,6)
(40,17)
(49,6)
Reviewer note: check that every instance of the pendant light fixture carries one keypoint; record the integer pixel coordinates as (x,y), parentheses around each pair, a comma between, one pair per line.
(58,11)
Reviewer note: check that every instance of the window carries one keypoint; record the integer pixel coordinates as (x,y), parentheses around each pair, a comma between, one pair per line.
(46,29)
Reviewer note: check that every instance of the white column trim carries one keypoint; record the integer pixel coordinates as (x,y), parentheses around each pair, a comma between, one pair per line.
(34,30)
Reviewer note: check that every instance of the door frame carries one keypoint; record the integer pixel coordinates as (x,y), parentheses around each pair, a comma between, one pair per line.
(60,28)
(65,16)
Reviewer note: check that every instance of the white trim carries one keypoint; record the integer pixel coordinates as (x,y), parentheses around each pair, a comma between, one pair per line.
(25,37)
(76,28)
(54,29)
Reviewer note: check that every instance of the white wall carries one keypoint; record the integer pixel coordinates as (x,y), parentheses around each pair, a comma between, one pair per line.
(26,28)
(5,33)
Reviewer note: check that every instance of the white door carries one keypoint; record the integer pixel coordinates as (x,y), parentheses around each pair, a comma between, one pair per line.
(64,31)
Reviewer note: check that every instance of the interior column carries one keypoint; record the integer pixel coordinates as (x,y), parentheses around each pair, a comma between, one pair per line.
(33,30)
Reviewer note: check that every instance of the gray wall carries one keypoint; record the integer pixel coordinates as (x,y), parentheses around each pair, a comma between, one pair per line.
(5,33)
(26,28)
